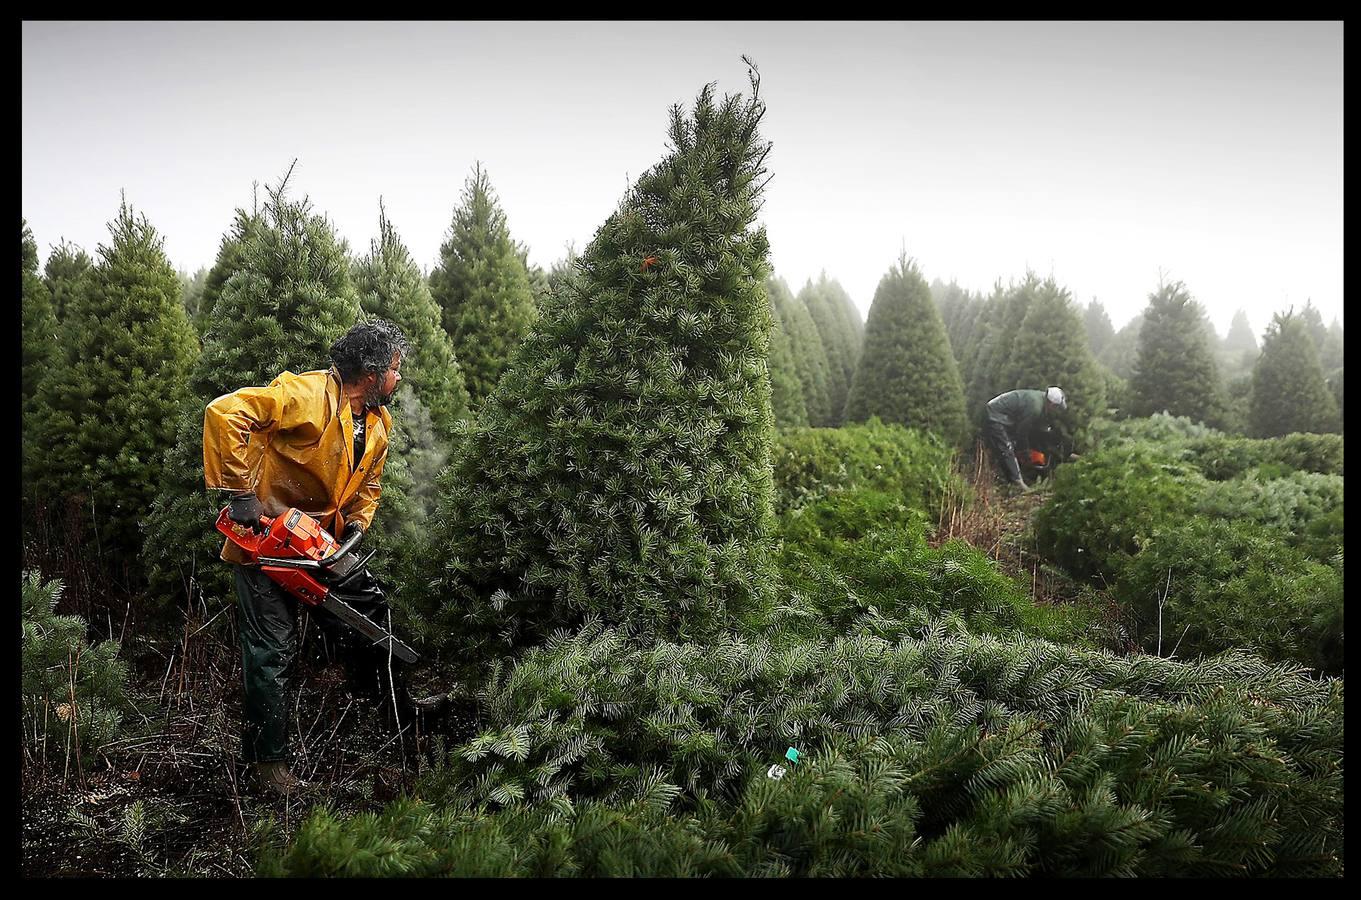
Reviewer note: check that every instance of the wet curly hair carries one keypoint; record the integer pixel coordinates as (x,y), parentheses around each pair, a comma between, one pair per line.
(368,347)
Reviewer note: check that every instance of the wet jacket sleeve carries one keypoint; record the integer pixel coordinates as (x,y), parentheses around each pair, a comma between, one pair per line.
(230,420)
(365,502)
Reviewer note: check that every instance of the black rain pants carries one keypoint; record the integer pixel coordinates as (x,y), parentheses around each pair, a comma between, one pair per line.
(267,618)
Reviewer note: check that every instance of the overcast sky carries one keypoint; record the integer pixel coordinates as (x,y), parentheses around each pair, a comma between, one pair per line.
(1102,153)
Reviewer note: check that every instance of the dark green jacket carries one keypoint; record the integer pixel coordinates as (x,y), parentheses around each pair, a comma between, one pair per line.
(1019,411)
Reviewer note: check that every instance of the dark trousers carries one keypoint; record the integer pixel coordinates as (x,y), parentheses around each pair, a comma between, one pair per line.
(267,618)
(1003,447)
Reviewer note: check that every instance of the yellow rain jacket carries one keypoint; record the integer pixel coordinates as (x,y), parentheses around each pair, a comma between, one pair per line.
(293,444)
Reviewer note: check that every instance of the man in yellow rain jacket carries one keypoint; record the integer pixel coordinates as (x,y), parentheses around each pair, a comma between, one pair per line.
(316,441)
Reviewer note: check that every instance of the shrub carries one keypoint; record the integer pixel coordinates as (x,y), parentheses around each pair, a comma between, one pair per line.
(947,754)
(1232,584)
(74,696)
(1304,508)
(814,463)
(1106,506)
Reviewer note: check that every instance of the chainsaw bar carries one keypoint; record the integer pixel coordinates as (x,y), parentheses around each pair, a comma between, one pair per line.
(370,629)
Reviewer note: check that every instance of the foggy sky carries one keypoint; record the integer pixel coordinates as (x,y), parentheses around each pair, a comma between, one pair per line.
(1101,153)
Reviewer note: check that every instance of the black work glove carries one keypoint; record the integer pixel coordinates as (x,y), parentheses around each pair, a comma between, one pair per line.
(246,509)
(351,529)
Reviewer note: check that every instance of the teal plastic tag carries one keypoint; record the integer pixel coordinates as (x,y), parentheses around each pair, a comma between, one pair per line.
(792,755)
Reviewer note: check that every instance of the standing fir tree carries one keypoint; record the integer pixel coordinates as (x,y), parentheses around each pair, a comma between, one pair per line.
(1175,370)
(810,357)
(1121,351)
(907,374)
(288,301)
(230,260)
(1238,352)
(835,318)
(990,365)
(621,468)
(390,285)
(786,391)
(1288,390)
(1050,348)
(107,411)
(38,347)
(64,274)
(1312,320)
(1330,352)
(482,288)
(1098,326)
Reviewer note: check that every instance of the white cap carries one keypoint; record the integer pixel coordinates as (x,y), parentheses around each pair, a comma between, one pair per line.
(1055,396)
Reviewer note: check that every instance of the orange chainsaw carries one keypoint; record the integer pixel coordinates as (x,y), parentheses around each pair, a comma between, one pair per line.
(302,557)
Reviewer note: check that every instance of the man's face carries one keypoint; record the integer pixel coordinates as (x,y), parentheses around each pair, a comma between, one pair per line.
(384,383)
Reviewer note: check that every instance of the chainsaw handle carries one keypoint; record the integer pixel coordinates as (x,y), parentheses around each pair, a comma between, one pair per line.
(341,550)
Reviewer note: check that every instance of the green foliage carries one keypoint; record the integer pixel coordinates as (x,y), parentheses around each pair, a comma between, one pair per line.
(840,330)
(621,468)
(107,409)
(939,754)
(1288,390)
(991,362)
(1224,583)
(810,464)
(907,374)
(288,299)
(1175,371)
(1122,351)
(482,287)
(860,558)
(1303,507)
(38,342)
(1241,525)
(1221,457)
(786,390)
(810,357)
(1050,348)
(1330,352)
(64,274)
(192,288)
(73,696)
(1107,506)
(1098,326)
(391,286)
(230,260)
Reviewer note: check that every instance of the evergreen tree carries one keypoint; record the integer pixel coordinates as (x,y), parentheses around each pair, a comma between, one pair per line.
(561,270)
(810,358)
(835,318)
(1050,347)
(1288,390)
(289,300)
(786,391)
(982,336)
(1312,320)
(1238,351)
(66,268)
(1121,352)
(1240,338)
(991,367)
(107,410)
(1175,370)
(390,285)
(621,468)
(230,260)
(38,344)
(482,287)
(907,375)
(1330,352)
(191,292)
(1098,326)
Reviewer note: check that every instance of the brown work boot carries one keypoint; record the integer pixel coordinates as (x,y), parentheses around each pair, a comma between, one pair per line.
(276,778)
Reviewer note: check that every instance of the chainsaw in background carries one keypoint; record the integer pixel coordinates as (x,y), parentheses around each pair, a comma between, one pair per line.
(305,560)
